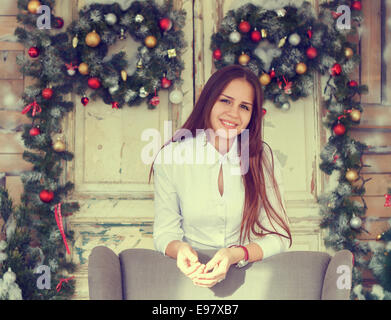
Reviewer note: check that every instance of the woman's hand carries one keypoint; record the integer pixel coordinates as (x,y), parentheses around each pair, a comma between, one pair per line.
(220,264)
(187,261)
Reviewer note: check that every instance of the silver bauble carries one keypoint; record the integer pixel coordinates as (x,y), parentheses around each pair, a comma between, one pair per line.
(114,89)
(176,96)
(111,19)
(71,72)
(285,106)
(355,222)
(235,37)
(294,39)
(139,18)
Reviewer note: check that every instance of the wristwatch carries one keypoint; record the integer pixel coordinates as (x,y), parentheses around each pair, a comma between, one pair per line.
(243,262)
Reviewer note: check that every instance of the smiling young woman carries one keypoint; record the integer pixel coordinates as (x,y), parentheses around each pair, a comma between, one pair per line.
(206,207)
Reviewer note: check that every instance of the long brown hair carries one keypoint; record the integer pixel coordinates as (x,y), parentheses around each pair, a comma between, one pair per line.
(253,180)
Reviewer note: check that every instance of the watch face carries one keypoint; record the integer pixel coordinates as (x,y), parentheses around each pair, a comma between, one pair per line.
(242,263)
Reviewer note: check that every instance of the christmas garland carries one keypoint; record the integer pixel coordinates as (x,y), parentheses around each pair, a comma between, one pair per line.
(34,233)
(285,47)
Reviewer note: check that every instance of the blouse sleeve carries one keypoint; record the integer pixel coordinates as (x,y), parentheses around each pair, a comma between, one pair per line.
(167,222)
(272,244)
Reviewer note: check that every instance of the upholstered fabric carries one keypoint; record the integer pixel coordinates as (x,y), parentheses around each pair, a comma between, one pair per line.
(148,275)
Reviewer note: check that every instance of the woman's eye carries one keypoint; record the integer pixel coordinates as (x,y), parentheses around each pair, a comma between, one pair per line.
(225,100)
(245,107)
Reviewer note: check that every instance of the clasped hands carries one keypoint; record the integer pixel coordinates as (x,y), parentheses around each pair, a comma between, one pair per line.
(204,275)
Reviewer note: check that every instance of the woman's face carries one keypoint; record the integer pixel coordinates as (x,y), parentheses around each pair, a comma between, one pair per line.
(232,111)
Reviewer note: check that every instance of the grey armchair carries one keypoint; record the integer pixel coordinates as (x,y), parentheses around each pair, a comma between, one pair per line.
(144,274)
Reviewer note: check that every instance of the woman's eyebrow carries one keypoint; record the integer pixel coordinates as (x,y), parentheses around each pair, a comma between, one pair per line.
(233,99)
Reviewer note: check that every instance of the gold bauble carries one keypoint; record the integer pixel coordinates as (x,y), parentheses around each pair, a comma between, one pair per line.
(83,69)
(75,41)
(244,59)
(355,115)
(92,39)
(351,175)
(33,6)
(59,146)
(265,79)
(349,53)
(301,68)
(150,41)
(263,33)
(124,75)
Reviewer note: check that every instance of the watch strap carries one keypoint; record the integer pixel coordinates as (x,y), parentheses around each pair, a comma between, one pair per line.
(245,251)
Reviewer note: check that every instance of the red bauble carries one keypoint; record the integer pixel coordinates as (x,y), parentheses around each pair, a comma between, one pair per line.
(165,24)
(85,101)
(339,129)
(47,93)
(272,74)
(263,111)
(352,83)
(58,22)
(46,196)
(356,5)
(166,83)
(312,53)
(34,131)
(115,105)
(33,52)
(309,33)
(336,70)
(94,83)
(155,101)
(244,27)
(256,36)
(217,54)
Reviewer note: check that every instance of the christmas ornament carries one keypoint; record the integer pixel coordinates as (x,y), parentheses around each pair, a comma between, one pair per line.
(33,6)
(114,89)
(34,131)
(351,175)
(281,12)
(33,52)
(348,52)
(244,27)
(264,33)
(115,105)
(244,59)
(58,22)
(124,75)
(46,196)
(155,100)
(352,83)
(92,39)
(281,43)
(75,41)
(111,19)
(217,54)
(255,36)
(388,200)
(139,18)
(339,129)
(272,73)
(235,37)
(356,5)
(71,69)
(150,41)
(294,39)
(336,15)
(59,145)
(83,69)
(165,83)
(122,34)
(171,53)
(288,85)
(355,115)
(165,24)
(309,33)
(176,96)
(301,68)
(265,79)
(264,111)
(143,93)
(286,106)
(94,83)
(312,53)
(58,216)
(85,101)
(355,223)
(336,70)
(140,64)
(47,93)
(34,105)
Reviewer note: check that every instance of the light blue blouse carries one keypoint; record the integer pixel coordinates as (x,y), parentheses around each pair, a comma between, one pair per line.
(188,204)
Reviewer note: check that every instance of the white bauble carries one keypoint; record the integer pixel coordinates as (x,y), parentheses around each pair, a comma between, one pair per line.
(355,222)
(111,19)
(143,93)
(286,106)
(176,96)
(235,37)
(71,72)
(294,39)
(114,89)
